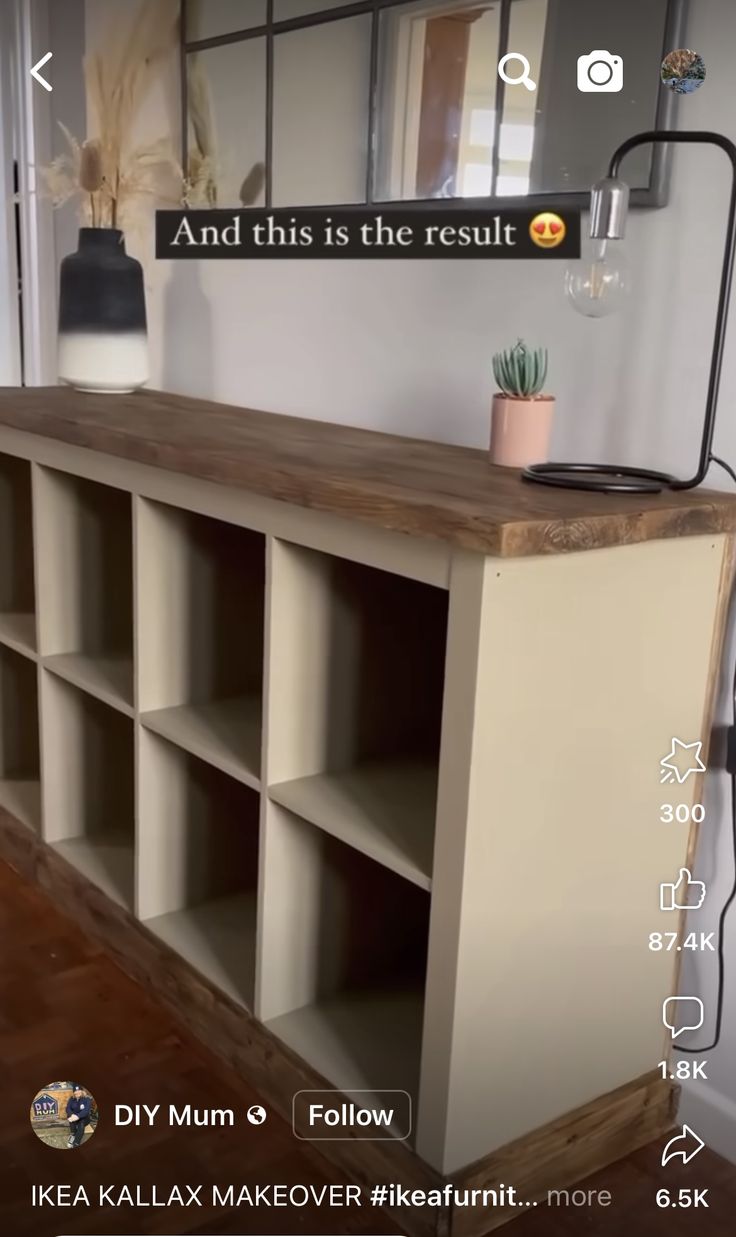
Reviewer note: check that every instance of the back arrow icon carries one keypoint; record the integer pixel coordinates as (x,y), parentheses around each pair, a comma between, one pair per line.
(35,73)
(684,1146)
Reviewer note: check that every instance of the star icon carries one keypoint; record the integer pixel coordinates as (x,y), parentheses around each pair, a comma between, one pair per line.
(683,760)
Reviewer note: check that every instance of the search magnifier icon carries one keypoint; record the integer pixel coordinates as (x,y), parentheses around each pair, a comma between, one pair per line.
(521,79)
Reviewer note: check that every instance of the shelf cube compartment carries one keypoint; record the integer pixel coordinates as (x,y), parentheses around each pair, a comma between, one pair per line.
(200,623)
(20,791)
(88,787)
(343,960)
(85,537)
(17,589)
(357,659)
(198,864)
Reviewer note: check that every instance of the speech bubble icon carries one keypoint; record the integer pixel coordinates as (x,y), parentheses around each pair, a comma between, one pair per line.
(683,1013)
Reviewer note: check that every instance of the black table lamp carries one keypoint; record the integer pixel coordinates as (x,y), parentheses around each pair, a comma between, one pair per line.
(598,292)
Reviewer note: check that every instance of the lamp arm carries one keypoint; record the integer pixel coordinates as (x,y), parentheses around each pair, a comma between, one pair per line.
(703,137)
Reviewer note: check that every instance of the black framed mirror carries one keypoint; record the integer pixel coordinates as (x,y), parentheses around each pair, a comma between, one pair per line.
(290,103)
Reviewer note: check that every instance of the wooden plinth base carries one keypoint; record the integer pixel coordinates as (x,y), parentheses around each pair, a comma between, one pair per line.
(553,1157)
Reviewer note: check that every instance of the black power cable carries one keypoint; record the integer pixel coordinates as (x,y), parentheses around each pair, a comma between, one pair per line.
(721,927)
(731,769)
(726,467)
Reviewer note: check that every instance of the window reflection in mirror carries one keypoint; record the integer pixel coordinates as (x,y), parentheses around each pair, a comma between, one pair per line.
(443,126)
(439,133)
(437,98)
(520,118)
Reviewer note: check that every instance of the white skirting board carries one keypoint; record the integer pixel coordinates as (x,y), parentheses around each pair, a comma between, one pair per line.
(712,1116)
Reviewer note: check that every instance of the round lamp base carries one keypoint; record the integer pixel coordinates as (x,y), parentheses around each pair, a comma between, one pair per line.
(604,478)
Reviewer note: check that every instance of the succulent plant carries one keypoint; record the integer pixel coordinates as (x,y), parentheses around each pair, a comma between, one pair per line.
(521,371)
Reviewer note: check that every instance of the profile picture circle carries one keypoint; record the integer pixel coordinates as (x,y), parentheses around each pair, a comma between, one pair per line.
(683,71)
(64,1115)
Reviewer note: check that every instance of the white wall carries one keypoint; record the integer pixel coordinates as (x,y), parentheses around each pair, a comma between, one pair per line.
(406,347)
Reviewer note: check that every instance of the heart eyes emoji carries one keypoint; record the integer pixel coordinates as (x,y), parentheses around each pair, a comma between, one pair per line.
(547,230)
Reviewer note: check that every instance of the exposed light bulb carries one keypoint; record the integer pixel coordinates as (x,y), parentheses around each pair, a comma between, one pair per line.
(597,283)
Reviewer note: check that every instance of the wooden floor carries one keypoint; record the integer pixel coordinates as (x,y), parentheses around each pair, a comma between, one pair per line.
(67,1011)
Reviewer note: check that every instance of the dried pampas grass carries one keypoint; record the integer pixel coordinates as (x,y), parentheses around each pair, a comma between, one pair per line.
(204,166)
(201,172)
(118,79)
(114,173)
(91,178)
(111,172)
(90,168)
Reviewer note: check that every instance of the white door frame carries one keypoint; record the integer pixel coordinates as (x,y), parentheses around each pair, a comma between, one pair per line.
(10,354)
(25,132)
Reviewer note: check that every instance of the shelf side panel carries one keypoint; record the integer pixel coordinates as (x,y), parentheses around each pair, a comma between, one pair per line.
(290,947)
(308,725)
(588,665)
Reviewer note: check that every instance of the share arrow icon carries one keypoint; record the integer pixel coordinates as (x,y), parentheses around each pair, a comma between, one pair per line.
(684,1146)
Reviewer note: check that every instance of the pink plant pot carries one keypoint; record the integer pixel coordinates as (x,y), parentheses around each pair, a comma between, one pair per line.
(521,430)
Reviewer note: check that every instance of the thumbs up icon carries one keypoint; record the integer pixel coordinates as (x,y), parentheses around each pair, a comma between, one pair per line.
(684,895)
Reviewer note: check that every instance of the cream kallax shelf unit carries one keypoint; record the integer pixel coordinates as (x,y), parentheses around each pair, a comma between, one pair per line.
(354,734)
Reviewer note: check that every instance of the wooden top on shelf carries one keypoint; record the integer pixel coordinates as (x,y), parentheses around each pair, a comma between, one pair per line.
(406,485)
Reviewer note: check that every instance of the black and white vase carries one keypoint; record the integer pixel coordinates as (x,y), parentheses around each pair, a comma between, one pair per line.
(103,342)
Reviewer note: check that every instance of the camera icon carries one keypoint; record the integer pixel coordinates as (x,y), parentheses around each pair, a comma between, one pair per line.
(600,70)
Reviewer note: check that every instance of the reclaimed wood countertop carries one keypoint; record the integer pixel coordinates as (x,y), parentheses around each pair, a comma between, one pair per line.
(406,485)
